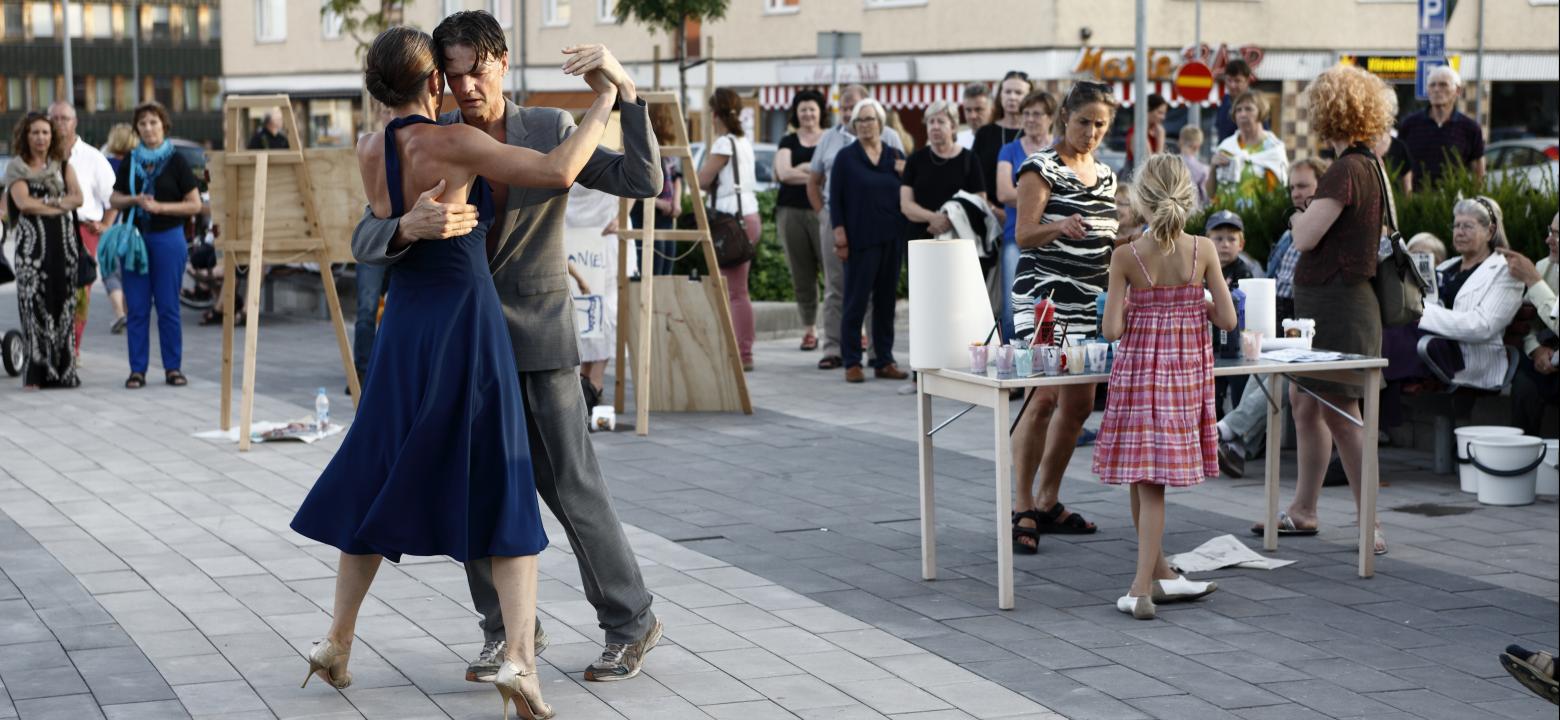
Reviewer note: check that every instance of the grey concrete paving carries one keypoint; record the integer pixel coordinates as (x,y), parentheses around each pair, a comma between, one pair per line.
(783,550)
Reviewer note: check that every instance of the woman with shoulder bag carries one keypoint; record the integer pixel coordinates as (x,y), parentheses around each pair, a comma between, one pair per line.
(158,187)
(42,195)
(1338,236)
(728,167)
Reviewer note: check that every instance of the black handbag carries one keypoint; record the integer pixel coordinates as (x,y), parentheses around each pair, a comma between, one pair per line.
(1400,290)
(727,231)
(86,265)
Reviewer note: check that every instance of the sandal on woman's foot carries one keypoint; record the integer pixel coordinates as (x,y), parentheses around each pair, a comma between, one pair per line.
(1286,527)
(809,342)
(1026,538)
(211,317)
(136,381)
(1535,670)
(830,362)
(1051,521)
(176,378)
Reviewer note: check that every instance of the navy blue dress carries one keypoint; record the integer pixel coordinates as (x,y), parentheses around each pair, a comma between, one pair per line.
(437,461)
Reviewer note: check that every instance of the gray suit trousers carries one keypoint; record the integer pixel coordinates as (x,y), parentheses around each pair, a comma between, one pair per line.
(569,481)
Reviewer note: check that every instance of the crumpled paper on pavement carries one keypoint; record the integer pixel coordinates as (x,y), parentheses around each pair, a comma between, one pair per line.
(1222,552)
(261,431)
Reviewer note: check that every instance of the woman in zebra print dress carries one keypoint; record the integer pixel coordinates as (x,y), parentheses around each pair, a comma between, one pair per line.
(1066,228)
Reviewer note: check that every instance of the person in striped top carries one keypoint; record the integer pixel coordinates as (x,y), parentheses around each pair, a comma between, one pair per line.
(1066,227)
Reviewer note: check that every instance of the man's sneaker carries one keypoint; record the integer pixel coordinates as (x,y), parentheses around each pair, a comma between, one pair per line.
(1232,459)
(621,662)
(485,667)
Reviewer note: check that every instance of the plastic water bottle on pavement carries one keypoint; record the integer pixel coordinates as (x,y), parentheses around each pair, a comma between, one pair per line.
(321,410)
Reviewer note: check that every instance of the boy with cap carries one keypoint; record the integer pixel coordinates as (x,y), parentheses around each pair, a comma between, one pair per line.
(1228,233)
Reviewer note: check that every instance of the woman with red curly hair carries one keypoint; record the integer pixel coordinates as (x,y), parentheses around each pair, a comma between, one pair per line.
(1337,236)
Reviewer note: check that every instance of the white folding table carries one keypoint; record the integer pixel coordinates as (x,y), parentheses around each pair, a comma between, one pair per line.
(990,392)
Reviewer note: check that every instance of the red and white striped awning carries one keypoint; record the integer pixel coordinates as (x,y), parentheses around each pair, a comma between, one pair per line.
(1165,89)
(893,95)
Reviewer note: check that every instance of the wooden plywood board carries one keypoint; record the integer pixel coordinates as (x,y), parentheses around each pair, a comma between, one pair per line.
(691,371)
(338,196)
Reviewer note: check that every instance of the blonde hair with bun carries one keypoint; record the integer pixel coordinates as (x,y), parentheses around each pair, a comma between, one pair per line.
(1163,194)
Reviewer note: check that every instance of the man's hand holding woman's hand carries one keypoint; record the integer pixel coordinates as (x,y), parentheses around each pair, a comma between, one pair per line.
(586,59)
(429,219)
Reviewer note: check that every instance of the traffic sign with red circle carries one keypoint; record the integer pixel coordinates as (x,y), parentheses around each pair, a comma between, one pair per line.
(1194,82)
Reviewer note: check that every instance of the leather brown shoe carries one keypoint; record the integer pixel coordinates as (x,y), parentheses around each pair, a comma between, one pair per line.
(853,374)
(890,371)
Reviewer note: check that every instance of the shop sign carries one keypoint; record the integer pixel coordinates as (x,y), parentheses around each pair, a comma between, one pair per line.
(1394,68)
(850,71)
(1216,58)
(1121,67)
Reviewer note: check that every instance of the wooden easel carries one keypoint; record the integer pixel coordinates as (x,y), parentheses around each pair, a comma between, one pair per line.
(696,314)
(290,232)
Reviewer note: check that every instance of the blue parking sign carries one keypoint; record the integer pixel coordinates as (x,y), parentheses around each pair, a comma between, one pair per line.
(1422,69)
(1432,44)
(1432,15)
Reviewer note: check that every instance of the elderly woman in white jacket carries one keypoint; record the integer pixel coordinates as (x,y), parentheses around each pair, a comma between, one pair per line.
(1478,296)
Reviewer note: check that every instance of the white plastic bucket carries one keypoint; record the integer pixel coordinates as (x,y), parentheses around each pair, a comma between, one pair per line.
(1466,475)
(1507,468)
(1549,472)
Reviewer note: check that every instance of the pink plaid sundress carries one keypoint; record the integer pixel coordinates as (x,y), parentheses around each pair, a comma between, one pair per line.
(1159,421)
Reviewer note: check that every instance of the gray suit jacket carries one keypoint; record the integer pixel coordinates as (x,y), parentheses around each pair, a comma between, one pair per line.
(530,267)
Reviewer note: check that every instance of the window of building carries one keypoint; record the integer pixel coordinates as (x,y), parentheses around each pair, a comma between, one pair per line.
(15,93)
(159,23)
(555,13)
(78,88)
(121,21)
(782,7)
(211,92)
(124,94)
(100,21)
(693,41)
(330,24)
(901,3)
(75,18)
(503,11)
(450,7)
(102,94)
(270,20)
(606,11)
(11,22)
(43,92)
(192,101)
(331,123)
(212,20)
(187,20)
(162,90)
(42,16)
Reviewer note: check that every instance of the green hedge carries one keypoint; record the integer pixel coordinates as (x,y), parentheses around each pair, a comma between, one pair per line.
(1527,212)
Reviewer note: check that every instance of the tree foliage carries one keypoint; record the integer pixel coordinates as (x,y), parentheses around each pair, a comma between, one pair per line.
(361,23)
(668,15)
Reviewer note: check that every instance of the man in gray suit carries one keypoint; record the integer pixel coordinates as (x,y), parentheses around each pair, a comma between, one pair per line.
(526,255)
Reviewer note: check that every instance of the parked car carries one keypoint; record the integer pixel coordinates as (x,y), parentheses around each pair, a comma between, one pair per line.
(1537,159)
(763,163)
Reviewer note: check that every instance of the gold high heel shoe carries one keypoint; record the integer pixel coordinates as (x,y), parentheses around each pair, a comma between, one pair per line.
(528,702)
(326,657)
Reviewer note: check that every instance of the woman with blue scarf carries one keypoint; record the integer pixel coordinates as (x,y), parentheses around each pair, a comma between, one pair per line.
(159,189)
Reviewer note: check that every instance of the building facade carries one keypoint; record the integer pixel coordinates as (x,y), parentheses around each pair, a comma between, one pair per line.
(179,58)
(917,51)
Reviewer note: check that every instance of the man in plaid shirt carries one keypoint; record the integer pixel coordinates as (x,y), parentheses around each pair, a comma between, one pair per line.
(1243,431)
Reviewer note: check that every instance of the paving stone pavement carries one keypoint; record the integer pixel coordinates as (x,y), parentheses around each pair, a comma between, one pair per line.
(150,574)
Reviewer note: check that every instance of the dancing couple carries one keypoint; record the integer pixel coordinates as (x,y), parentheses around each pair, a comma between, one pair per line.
(472,403)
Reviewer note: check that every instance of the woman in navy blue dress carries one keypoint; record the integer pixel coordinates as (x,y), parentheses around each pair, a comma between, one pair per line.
(437,461)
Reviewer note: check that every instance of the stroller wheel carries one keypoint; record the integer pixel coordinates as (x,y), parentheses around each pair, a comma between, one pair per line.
(11,351)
